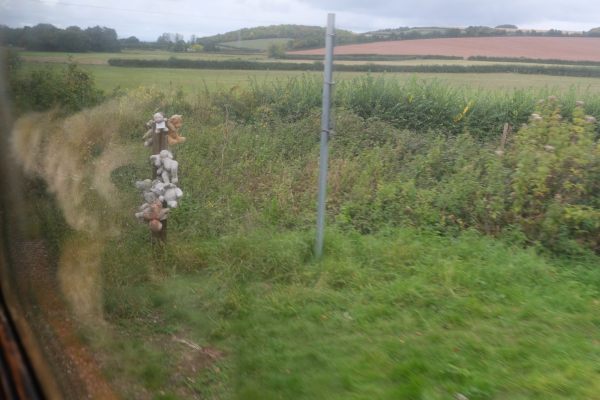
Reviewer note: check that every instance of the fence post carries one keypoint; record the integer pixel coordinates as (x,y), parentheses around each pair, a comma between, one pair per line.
(325,129)
(159,143)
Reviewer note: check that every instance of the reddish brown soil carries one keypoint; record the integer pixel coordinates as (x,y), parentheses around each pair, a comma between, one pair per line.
(74,366)
(564,48)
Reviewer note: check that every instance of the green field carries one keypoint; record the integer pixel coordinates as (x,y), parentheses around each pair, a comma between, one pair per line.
(109,78)
(102,58)
(191,81)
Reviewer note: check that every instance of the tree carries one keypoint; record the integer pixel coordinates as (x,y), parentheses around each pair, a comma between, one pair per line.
(41,37)
(179,46)
(276,50)
(103,39)
(73,39)
(165,38)
(130,42)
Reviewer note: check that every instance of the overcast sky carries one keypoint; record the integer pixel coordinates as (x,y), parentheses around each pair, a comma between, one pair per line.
(147,19)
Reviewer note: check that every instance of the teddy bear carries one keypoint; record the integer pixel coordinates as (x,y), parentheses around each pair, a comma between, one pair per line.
(157,124)
(170,166)
(172,194)
(147,193)
(144,185)
(174,124)
(154,213)
(166,167)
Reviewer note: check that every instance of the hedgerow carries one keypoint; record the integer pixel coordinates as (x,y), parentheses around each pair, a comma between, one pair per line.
(318,66)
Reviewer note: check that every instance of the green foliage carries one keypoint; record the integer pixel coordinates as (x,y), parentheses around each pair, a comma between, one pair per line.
(372,57)
(70,88)
(400,314)
(276,50)
(47,37)
(11,61)
(303,36)
(409,300)
(555,183)
(197,48)
(417,154)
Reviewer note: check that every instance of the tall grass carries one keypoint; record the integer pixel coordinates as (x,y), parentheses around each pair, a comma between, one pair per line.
(418,105)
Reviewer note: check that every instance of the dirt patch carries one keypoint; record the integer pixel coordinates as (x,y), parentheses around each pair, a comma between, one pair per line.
(74,365)
(196,357)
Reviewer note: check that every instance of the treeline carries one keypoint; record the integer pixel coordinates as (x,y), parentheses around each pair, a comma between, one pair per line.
(301,36)
(407,33)
(370,57)
(318,66)
(47,37)
(304,37)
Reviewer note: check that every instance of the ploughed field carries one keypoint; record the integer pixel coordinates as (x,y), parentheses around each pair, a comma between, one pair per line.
(563,48)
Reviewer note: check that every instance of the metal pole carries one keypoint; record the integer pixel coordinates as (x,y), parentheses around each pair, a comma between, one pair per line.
(325,128)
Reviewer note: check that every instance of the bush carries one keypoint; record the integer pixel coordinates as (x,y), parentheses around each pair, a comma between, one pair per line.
(276,50)
(70,89)
(555,192)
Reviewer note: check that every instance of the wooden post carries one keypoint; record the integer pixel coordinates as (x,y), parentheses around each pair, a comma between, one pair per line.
(159,143)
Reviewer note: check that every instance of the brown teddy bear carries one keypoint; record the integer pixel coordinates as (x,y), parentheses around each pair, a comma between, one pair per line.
(153,213)
(174,124)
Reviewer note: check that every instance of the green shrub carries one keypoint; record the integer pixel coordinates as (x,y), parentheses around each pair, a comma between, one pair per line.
(70,89)
(555,192)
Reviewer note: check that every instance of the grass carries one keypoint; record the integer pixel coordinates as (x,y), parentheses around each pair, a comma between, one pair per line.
(109,78)
(402,314)
(102,58)
(237,308)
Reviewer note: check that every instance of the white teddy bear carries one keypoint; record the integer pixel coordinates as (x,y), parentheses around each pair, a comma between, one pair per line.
(169,167)
(172,194)
(165,166)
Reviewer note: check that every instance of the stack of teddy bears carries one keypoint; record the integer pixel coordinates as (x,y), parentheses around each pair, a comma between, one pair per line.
(162,193)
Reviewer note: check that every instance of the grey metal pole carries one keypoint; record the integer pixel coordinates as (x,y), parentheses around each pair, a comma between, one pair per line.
(325,128)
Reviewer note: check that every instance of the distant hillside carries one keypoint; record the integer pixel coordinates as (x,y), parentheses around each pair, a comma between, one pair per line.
(301,36)
(434,32)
